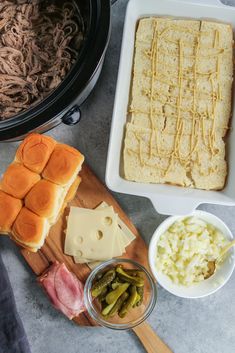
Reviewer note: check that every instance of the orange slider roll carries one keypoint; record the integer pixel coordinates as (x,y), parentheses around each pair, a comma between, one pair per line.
(46,199)
(18,180)
(9,209)
(63,165)
(35,151)
(30,230)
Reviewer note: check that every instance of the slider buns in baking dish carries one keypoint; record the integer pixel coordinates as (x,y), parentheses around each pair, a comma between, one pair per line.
(180,103)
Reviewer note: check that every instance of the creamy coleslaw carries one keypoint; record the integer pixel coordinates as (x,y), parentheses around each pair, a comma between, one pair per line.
(184,250)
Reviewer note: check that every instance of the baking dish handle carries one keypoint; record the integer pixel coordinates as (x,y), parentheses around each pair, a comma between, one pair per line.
(167,205)
(206,2)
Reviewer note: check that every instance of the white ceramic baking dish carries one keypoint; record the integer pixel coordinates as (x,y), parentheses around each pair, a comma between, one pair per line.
(166,199)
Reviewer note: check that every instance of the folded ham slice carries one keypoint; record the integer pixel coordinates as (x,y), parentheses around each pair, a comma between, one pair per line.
(64,290)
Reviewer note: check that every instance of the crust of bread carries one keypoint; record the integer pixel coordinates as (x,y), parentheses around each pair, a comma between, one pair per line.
(73,189)
(9,210)
(35,151)
(30,229)
(44,198)
(18,180)
(63,165)
(22,245)
(69,196)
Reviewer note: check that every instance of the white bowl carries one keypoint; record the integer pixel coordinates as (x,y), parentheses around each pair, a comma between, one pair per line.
(206,287)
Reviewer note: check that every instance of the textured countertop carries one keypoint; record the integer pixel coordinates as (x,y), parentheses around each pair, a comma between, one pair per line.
(198,326)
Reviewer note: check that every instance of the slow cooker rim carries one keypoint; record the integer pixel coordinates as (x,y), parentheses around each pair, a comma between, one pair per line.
(49,108)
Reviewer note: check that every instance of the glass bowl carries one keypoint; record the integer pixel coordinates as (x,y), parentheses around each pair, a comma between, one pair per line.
(136,315)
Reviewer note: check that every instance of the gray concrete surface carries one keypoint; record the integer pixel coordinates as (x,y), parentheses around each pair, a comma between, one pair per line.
(187,326)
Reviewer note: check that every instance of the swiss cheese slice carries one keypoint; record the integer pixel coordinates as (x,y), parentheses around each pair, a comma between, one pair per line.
(127,235)
(120,245)
(91,234)
(123,238)
(117,251)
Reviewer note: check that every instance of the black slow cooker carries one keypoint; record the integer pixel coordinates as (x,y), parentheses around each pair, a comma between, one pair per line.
(63,104)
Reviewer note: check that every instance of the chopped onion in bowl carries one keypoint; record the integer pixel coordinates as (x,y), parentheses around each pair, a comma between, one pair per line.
(184,250)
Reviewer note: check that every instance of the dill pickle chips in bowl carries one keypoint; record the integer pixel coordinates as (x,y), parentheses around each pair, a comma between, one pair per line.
(120,294)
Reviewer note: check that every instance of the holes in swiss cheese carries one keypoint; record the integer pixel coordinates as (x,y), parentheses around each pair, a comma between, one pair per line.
(79,253)
(108,221)
(99,234)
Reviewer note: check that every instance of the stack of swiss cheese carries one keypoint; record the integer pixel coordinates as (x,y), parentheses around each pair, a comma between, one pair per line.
(180,103)
(36,187)
(95,235)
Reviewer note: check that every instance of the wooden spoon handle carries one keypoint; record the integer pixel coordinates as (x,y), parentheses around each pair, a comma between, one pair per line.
(150,340)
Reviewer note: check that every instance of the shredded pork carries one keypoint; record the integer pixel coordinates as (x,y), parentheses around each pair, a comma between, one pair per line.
(39,42)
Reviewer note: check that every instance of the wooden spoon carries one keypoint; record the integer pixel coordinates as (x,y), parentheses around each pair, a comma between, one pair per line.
(213,264)
(150,340)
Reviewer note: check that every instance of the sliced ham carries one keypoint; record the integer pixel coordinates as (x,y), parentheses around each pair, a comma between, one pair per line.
(64,290)
(74,288)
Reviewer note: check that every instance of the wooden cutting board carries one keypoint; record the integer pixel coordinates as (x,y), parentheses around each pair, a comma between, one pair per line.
(90,193)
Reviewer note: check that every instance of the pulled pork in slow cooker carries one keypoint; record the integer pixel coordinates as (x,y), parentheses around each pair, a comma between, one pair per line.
(39,42)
